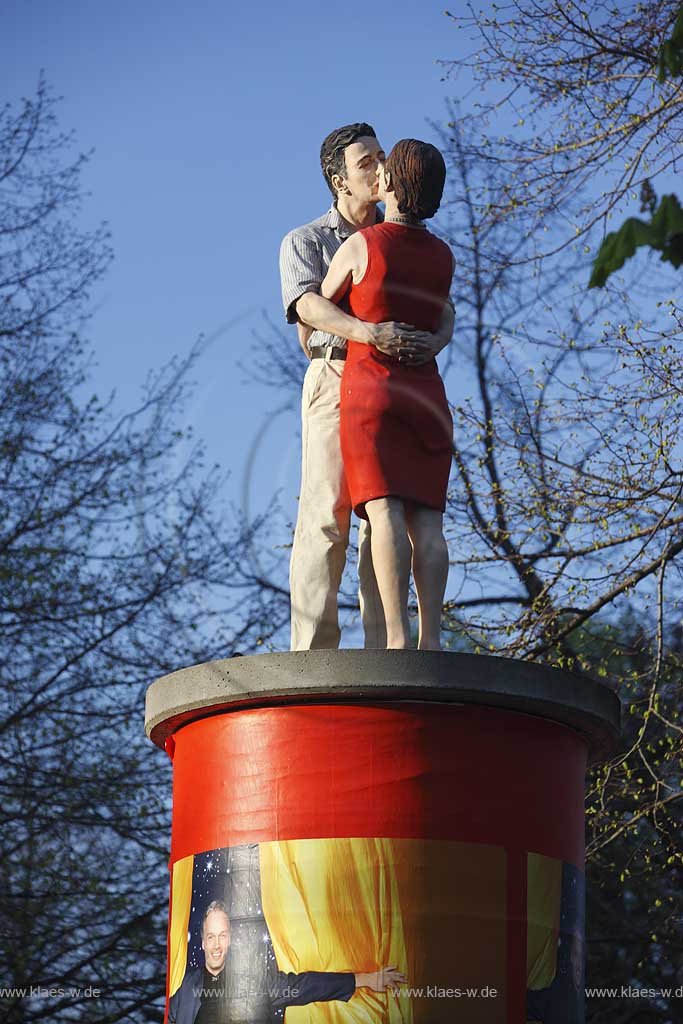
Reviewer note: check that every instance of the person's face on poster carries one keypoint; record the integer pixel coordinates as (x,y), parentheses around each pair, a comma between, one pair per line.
(215,940)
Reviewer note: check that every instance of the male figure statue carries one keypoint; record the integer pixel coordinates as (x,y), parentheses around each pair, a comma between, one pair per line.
(350,158)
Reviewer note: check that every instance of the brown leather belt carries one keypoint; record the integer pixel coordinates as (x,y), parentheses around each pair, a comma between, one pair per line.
(320,351)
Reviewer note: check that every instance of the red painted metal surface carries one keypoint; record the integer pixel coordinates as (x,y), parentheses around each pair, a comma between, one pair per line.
(403,770)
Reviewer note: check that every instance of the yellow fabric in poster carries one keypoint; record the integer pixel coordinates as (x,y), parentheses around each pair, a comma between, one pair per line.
(332,905)
(181,900)
(361,904)
(544,893)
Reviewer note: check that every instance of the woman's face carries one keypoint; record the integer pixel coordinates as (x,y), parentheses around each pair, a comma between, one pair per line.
(382,181)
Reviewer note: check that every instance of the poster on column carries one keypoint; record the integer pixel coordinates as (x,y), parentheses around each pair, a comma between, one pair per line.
(555,942)
(339,931)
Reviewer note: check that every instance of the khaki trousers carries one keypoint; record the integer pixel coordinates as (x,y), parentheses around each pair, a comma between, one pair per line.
(322,527)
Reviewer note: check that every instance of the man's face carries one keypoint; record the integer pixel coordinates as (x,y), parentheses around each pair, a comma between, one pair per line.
(363,160)
(215,940)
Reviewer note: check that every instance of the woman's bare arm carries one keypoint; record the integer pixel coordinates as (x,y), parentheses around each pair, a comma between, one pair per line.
(322,312)
(348,264)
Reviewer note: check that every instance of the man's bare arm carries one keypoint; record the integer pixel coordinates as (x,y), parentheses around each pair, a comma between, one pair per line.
(391,338)
(399,340)
(444,331)
(388,338)
(323,315)
(380,981)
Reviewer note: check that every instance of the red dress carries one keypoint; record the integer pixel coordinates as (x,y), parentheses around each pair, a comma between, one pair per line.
(395,425)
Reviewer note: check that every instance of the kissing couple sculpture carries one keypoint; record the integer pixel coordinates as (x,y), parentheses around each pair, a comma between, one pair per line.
(370,296)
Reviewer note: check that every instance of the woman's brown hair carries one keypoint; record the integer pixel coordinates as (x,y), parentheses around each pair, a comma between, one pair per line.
(417,177)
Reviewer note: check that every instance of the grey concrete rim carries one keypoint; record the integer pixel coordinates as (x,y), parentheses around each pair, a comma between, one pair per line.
(370,676)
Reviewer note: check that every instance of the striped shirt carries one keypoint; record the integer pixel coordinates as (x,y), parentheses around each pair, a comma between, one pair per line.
(305,256)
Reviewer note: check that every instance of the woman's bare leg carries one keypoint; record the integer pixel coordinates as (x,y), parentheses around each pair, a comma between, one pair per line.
(430,571)
(391,556)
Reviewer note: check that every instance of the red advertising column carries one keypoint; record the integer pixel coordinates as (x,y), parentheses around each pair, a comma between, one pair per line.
(365,836)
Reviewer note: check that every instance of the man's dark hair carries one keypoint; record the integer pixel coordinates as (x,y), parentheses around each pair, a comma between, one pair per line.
(418,175)
(215,905)
(332,150)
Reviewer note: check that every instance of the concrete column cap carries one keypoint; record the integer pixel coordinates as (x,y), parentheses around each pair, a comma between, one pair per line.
(370,676)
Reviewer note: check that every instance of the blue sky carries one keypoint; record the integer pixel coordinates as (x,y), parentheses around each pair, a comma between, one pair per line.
(206,121)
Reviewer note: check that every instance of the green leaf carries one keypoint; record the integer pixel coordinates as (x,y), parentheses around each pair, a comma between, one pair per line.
(663,233)
(671,54)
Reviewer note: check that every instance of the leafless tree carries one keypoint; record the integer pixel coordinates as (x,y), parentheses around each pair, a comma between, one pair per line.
(569,93)
(115,567)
